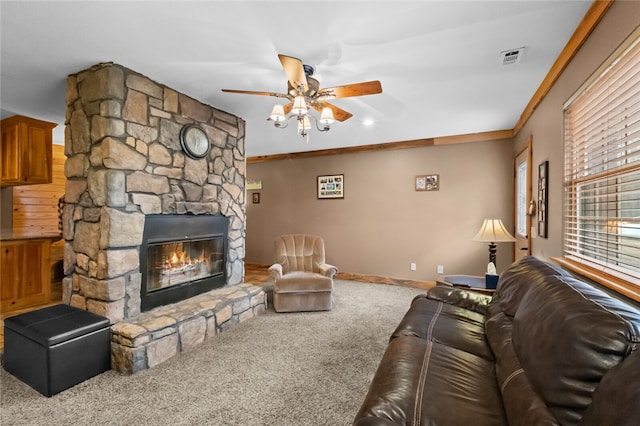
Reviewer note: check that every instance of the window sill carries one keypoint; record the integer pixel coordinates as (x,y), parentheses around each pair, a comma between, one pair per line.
(624,287)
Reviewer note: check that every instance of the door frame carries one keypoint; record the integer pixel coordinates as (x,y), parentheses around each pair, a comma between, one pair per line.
(528,145)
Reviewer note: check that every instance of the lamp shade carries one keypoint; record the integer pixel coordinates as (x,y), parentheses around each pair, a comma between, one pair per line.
(299,106)
(327,116)
(493,231)
(304,124)
(277,114)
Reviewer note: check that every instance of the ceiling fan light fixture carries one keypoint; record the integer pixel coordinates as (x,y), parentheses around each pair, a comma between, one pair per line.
(277,114)
(299,105)
(326,117)
(304,92)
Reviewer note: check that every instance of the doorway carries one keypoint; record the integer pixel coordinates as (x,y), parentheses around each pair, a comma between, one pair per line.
(523,206)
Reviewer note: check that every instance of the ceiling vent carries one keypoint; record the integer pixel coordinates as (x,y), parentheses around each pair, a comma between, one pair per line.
(511,57)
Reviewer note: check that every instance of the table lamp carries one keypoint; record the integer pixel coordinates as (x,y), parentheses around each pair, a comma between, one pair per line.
(492,232)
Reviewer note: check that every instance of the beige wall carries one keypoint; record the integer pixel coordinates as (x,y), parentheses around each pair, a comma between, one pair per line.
(383,224)
(546,124)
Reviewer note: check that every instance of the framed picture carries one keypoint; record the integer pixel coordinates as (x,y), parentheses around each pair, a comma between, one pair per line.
(543,201)
(427,182)
(331,186)
(256,198)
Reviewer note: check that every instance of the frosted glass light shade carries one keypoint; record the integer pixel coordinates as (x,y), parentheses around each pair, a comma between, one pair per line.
(327,116)
(277,114)
(299,106)
(304,124)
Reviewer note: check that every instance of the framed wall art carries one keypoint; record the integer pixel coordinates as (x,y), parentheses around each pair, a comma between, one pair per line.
(256,198)
(543,201)
(331,186)
(427,182)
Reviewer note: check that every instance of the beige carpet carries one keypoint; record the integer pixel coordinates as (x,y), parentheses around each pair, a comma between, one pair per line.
(275,369)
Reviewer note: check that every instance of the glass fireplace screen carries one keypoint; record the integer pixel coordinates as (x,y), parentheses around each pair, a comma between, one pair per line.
(178,262)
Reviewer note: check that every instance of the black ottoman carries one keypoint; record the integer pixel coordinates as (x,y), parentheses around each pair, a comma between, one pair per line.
(54,348)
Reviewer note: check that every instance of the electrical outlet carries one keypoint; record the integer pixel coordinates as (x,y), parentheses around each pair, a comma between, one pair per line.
(440,269)
(412,266)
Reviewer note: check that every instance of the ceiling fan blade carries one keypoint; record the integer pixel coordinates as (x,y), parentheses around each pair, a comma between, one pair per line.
(251,92)
(295,71)
(350,90)
(338,113)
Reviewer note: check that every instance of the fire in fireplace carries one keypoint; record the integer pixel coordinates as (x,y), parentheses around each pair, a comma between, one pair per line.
(174,263)
(181,256)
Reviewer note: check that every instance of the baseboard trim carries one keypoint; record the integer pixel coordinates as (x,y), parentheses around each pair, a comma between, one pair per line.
(366,278)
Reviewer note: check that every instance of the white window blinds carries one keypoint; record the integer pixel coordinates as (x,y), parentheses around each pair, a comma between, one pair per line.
(602,168)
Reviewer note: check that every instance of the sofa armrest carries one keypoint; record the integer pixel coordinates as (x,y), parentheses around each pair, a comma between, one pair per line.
(327,270)
(464,298)
(275,271)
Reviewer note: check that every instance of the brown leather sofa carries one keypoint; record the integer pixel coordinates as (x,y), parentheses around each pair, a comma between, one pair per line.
(547,349)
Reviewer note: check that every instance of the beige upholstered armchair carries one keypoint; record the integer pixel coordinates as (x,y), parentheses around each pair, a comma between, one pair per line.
(302,279)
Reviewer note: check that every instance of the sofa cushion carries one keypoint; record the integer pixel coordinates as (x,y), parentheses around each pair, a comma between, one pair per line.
(522,405)
(446,324)
(616,400)
(468,299)
(516,281)
(421,382)
(566,342)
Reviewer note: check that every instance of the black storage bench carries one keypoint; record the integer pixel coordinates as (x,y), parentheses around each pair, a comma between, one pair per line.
(55,348)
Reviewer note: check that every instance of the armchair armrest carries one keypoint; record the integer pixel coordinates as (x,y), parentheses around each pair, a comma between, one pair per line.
(275,271)
(327,270)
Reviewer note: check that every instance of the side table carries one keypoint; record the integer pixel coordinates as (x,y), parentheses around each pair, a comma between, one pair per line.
(471,282)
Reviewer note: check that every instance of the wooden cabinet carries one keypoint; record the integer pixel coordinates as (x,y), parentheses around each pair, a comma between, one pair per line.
(26,273)
(26,151)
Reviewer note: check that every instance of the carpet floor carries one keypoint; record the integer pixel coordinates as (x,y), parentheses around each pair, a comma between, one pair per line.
(297,369)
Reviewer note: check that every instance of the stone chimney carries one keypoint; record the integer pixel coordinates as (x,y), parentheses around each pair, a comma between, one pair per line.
(124,161)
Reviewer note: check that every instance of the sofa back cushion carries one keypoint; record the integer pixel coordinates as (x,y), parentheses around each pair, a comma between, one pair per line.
(516,281)
(523,406)
(567,335)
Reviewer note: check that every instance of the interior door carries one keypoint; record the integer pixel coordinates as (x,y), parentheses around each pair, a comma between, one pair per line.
(522,198)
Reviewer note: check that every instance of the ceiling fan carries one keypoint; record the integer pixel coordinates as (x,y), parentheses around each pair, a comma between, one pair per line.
(303,91)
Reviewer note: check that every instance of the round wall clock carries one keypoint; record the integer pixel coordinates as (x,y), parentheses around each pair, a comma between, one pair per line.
(194,141)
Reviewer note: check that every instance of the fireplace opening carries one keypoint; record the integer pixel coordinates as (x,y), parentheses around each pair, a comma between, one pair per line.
(177,262)
(181,256)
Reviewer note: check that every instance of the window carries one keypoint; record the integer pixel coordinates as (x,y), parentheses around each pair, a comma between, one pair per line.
(521,199)
(602,168)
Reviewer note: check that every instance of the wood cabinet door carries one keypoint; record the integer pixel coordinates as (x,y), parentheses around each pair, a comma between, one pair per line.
(10,153)
(26,274)
(26,152)
(37,154)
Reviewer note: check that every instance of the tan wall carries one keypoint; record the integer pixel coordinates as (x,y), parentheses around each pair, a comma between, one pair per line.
(546,124)
(383,224)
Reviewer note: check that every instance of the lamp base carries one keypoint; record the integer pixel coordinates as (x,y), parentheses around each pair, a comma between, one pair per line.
(492,252)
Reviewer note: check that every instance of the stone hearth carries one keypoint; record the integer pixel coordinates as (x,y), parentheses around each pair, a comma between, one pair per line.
(124,162)
(155,336)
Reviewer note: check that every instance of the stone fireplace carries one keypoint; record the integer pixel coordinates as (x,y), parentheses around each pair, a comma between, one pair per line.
(125,164)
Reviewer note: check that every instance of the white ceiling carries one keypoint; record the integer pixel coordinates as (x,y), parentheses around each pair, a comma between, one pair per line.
(437,60)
